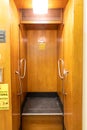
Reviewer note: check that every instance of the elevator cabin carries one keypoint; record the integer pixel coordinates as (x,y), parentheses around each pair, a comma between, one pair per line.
(43,53)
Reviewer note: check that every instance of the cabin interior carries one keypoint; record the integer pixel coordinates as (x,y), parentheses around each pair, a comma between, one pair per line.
(42,64)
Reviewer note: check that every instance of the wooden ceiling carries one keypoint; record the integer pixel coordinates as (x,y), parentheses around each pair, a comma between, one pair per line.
(51,3)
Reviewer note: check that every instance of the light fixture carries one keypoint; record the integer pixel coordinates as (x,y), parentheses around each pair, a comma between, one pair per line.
(40,6)
(42,40)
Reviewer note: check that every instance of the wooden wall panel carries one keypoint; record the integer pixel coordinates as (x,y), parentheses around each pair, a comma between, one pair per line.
(40,26)
(42,62)
(68,59)
(23,54)
(60,56)
(73,45)
(53,15)
(18,51)
(78,65)
(42,122)
(14,66)
(5,115)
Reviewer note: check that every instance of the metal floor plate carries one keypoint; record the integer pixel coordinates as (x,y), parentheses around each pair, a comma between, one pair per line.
(42,106)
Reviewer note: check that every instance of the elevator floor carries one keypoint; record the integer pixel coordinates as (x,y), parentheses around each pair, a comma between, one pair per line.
(42,106)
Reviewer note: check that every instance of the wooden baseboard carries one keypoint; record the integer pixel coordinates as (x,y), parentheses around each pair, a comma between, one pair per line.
(42,123)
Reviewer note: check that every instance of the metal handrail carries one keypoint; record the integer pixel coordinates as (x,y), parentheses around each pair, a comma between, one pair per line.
(65,72)
(59,71)
(21,62)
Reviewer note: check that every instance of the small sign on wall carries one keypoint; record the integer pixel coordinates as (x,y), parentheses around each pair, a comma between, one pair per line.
(2,36)
(42,46)
(42,43)
(4,97)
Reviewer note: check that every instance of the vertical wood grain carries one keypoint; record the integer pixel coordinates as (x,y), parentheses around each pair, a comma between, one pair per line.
(42,63)
(73,46)
(78,64)
(60,48)
(14,66)
(42,122)
(23,54)
(68,42)
(5,115)
(18,51)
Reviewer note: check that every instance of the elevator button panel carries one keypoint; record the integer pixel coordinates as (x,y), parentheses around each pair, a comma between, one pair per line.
(4,97)
(2,36)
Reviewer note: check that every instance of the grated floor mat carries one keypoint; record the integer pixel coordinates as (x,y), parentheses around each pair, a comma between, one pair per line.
(42,105)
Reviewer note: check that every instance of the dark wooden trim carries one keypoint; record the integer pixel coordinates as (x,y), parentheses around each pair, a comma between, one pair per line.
(42,94)
(53,15)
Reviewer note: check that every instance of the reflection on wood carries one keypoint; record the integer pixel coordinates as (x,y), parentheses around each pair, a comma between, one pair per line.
(42,122)
(51,3)
(5,115)
(42,64)
(52,15)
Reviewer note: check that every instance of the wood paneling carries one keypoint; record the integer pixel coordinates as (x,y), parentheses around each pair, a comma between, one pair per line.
(60,56)
(5,115)
(23,54)
(78,65)
(40,26)
(42,61)
(73,46)
(42,122)
(52,15)
(14,66)
(41,22)
(18,51)
(51,3)
(68,42)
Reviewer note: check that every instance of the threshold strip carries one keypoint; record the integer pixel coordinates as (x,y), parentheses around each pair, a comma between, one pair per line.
(28,114)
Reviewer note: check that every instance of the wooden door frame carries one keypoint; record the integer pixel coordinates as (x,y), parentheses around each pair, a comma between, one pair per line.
(84,119)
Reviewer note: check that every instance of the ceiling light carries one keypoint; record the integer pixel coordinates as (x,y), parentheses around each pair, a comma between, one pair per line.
(40,6)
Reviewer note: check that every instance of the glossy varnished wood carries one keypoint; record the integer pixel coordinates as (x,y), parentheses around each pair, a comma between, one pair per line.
(73,45)
(60,55)
(78,65)
(40,26)
(68,60)
(72,39)
(14,66)
(18,51)
(42,63)
(42,122)
(41,22)
(5,115)
(53,15)
(51,3)
(23,54)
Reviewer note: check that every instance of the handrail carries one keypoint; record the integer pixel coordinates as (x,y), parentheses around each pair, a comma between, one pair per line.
(21,63)
(65,72)
(18,72)
(60,75)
